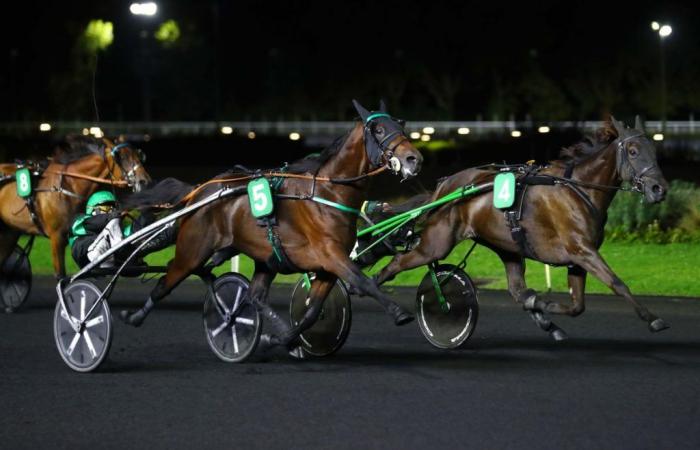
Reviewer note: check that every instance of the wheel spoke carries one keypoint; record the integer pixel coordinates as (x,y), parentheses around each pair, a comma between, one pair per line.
(244,321)
(95,321)
(73,343)
(82,305)
(91,347)
(235,339)
(219,329)
(238,299)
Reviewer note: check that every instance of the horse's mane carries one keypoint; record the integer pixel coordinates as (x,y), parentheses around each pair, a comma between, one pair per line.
(312,163)
(75,147)
(590,145)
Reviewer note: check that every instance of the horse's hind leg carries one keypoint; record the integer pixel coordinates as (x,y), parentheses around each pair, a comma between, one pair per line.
(591,261)
(435,244)
(515,273)
(191,252)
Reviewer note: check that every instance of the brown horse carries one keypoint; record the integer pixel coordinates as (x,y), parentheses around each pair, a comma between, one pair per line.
(65,184)
(563,221)
(314,236)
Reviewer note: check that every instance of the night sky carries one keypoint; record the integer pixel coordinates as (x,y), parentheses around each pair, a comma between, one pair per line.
(239,60)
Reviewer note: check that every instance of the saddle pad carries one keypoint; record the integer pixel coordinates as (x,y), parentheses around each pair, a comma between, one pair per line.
(504,190)
(24,182)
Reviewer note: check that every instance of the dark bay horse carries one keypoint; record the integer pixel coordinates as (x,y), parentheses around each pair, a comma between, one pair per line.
(76,171)
(563,222)
(315,237)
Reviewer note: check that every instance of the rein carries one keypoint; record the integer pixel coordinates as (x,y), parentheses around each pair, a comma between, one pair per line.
(313,178)
(88,177)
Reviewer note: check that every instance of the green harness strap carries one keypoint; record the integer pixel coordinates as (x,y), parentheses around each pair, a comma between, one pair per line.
(335,205)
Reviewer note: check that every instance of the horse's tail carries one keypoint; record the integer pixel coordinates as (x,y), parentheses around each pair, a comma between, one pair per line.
(164,194)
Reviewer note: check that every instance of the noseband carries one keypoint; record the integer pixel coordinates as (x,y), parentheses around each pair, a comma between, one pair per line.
(624,161)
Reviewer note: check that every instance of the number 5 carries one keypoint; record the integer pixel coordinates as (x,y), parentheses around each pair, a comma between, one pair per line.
(259,198)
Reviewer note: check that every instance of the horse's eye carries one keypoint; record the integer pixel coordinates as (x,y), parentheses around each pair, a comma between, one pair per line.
(633,151)
(379,130)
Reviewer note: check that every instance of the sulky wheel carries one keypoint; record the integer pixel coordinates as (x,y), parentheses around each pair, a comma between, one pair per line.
(331,330)
(451,325)
(15,280)
(231,322)
(82,337)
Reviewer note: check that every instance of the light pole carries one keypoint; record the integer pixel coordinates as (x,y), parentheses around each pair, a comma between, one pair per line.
(664,31)
(145,10)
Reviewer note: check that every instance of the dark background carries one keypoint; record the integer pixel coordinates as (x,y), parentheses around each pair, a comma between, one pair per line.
(305,60)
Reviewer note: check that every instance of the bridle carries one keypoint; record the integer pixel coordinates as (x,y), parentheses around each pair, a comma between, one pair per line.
(623,162)
(128,175)
(380,151)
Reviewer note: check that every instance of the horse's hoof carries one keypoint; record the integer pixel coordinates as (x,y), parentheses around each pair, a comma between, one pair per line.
(267,341)
(658,325)
(9,309)
(401,316)
(558,335)
(135,319)
(297,353)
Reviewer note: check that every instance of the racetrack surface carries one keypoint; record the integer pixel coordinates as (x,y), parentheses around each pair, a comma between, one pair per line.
(612,385)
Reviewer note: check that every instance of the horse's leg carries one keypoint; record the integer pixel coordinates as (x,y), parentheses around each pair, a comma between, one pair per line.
(191,252)
(591,261)
(58,252)
(515,274)
(577,285)
(258,293)
(320,287)
(432,247)
(338,263)
(8,241)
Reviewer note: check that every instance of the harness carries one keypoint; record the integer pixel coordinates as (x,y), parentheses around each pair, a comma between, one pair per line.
(376,149)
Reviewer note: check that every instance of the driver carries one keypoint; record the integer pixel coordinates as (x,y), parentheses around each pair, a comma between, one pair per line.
(103,226)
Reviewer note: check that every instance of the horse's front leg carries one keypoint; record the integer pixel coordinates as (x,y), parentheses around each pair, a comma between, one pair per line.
(577,285)
(336,261)
(515,274)
(321,285)
(591,261)
(58,253)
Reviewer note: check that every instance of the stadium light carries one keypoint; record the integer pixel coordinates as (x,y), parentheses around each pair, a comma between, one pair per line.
(226,130)
(463,130)
(428,130)
(543,129)
(516,133)
(251,135)
(45,127)
(658,137)
(655,26)
(415,135)
(294,136)
(144,9)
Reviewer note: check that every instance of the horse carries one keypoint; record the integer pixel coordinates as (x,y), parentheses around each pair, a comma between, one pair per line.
(76,171)
(562,217)
(315,223)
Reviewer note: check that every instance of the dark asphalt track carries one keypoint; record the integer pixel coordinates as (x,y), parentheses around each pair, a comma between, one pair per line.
(613,385)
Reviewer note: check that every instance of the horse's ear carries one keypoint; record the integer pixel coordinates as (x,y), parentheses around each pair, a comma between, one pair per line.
(361,110)
(638,125)
(619,126)
(382,106)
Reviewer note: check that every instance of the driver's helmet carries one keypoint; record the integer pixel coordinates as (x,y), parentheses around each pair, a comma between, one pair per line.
(100,202)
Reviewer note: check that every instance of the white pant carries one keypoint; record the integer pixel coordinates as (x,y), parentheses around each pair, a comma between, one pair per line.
(110,236)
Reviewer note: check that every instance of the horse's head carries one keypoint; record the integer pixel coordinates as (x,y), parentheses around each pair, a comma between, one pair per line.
(636,161)
(126,163)
(386,143)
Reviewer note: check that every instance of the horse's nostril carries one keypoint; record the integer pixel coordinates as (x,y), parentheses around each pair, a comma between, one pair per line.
(657,189)
(411,159)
